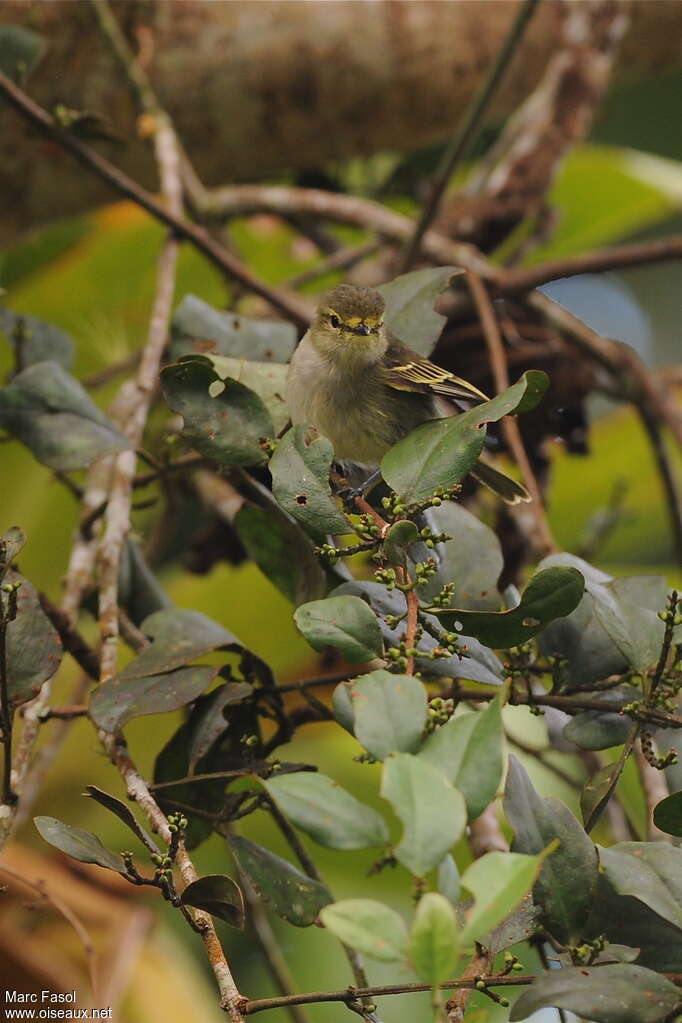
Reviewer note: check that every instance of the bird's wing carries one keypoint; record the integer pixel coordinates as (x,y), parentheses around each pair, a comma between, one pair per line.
(408,371)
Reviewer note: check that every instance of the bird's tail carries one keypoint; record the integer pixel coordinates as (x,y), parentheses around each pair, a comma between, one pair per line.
(504,486)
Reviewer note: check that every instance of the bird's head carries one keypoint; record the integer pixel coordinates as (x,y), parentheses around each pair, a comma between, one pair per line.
(349,325)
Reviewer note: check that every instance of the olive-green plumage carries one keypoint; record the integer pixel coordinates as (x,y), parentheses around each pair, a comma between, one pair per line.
(364,390)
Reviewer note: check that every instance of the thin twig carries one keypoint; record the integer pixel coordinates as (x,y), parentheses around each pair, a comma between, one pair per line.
(289,305)
(8,795)
(343,259)
(350,994)
(40,886)
(460,144)
(510,427)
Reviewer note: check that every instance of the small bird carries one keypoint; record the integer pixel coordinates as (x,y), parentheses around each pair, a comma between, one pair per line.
(362,388)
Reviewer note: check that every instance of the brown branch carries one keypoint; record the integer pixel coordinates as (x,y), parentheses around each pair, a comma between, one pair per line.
(460,144)
(72,641)
(514,282)
(230,998)
(289,305)
(351,994)
(40,886)
(544,540)
(485,834)
(342,259)
(480,963)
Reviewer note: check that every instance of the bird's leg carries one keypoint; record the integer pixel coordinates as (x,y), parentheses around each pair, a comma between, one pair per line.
(349,493)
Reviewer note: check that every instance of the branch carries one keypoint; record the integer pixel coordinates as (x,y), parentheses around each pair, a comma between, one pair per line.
(72,641)
(514,282)
(290,306)
(544,540)
(460,144)
(655,788)
(351,994)
(230,998)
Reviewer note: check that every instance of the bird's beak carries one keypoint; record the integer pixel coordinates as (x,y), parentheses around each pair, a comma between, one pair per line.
(364,329)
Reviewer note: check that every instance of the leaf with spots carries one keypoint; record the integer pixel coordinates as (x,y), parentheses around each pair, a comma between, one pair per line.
(282,887)
(300,470)
(389,712)
(618,993)
(199,329)
(551,593)
(223,419)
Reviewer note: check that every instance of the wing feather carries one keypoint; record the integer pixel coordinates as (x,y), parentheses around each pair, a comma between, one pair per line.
(422,375)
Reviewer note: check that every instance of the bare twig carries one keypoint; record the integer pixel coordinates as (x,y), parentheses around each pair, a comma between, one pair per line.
(342,259)
(510,427)
(478,966)
(485,834)
(289,305)
(7,716)
(459,146)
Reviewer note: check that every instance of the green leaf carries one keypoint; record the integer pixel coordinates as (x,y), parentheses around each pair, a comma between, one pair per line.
(123,812)
(369,927)
(441,452)
(266,379)
(345,623)
(389,711)
(300,470)
(284,889)
(218,895)
(34,340)
(615,625)
(118,701)
(78,844)
(224,420)
(432,812)
(33,647)
(448,879)
(49,412)
(624,919)
(282,551)
(519,926)
(178,636)
(397,541)
(616,993)
(472,560)
(469,751)
(21,50)
(410,301)
(567,883)
(434,939)
(595,730)
(649,871)
(199,329)
(498,882)
(551,593)
(668,814)
(326,812)
(480,664)
(210,721)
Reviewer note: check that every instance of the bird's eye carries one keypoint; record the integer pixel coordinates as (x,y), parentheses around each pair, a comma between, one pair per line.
(335,321)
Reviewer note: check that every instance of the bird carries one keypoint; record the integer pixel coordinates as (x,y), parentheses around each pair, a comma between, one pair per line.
(364,390)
